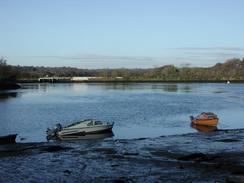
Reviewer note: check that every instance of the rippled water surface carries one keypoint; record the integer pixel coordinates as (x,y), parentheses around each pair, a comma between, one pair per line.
(138,109)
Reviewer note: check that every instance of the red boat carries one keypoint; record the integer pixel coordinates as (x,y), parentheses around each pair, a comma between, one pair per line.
(8,139)
(205,118)
(204,128)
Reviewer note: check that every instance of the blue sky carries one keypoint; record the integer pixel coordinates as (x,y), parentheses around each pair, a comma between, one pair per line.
(121,33)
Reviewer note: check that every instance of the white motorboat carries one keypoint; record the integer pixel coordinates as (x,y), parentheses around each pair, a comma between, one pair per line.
(88,126)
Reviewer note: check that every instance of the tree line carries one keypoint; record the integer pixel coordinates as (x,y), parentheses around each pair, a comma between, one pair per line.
(7,72)
(232,69)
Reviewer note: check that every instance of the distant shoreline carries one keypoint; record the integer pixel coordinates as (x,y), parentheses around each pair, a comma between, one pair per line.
(134,81)
(232,70)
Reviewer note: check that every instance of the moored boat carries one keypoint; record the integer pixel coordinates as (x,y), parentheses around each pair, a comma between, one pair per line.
(204,128)
(8,139)
(84,127)
(205,118)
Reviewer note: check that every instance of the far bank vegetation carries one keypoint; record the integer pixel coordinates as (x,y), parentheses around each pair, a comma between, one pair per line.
(232,69)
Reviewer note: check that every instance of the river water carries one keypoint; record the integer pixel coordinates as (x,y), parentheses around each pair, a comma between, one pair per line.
(139,110)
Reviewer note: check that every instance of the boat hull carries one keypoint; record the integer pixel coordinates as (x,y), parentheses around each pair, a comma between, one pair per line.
(204,128)
(205,122)
(86,136)
(85,130)
(8,139)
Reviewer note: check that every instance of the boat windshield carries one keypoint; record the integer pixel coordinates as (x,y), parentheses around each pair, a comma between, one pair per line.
(76,123)
(90,123)
(98,123)
(206,115)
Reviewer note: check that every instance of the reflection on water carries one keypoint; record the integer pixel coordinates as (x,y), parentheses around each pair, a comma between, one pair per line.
(6,95)
(138,109)
(202,128)
(117,86)
(151,86)
(30,86)
(170,88)
(187,89)
(86,137)
(219,91)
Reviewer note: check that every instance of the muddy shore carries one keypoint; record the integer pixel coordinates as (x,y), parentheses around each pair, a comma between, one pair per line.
(196,157)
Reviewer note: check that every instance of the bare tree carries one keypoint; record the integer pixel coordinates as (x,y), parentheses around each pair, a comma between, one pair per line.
(3,61)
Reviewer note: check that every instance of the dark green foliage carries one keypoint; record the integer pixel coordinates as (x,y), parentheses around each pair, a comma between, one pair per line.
(7,72)
(232,69)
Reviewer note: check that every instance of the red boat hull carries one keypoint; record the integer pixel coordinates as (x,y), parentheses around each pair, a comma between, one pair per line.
(205,122)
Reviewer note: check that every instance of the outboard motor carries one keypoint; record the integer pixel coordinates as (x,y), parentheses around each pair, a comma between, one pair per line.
(52,133)
(192,118)
(58,127)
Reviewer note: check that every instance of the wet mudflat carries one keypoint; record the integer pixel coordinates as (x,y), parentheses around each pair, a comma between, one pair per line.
(194,157)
